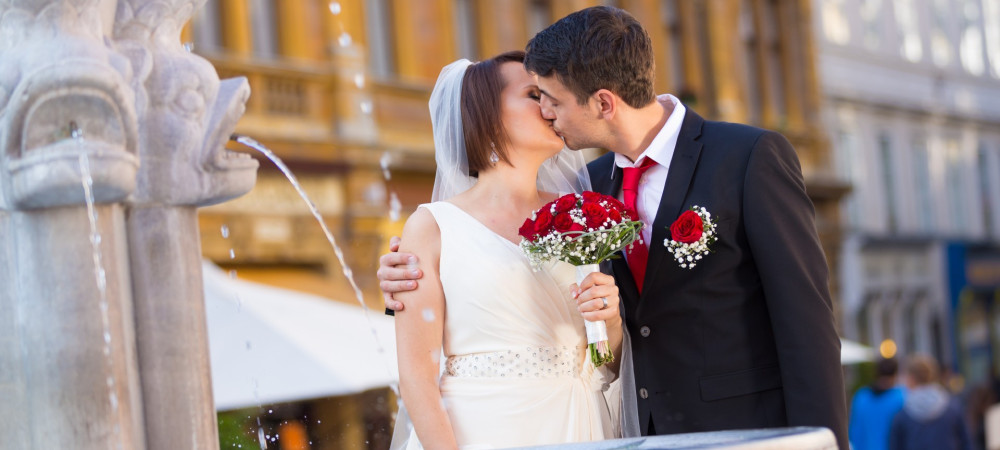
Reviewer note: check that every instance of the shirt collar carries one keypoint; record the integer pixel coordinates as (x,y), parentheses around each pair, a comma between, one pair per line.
(661,149)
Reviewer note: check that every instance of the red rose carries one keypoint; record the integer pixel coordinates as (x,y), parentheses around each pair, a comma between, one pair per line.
(687,228)
(565,203)
(527,230)
(591,197)
(615,216)
(543,221)
(594,214)
(615,204)
(563,222)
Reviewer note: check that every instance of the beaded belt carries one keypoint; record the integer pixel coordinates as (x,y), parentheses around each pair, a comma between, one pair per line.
(531,362)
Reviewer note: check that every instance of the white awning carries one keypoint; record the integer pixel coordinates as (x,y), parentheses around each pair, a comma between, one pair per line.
(271,345)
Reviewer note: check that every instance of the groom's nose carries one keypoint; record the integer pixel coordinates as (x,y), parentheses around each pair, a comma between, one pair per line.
(546,110)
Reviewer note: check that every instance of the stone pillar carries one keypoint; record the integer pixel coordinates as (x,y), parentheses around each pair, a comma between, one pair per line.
(93,293)
(171,326)
(68,372)
(187,115)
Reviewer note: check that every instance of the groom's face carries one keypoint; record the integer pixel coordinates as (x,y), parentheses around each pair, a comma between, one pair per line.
(574,122)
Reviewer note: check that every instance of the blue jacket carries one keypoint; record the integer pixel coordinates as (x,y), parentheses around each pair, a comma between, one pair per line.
(871,416)
(931,420)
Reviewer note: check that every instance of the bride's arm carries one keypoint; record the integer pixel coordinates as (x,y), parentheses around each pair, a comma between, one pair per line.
(419,336)
(591,290)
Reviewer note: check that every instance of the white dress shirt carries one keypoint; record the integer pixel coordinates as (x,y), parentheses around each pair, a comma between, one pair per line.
(661,150)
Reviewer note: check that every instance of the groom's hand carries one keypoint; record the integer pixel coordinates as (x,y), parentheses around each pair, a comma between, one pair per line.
(591,294)
(397,272)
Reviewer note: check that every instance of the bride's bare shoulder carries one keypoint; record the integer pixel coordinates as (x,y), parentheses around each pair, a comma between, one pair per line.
(420,229)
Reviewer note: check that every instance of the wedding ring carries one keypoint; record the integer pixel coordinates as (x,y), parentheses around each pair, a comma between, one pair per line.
(605,301)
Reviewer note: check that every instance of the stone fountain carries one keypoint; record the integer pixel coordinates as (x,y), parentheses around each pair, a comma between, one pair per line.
(103,340)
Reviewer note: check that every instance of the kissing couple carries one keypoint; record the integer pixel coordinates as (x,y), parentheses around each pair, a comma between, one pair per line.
(743,339)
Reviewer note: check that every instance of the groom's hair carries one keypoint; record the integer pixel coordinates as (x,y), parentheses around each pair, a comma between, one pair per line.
(602,47)
(482,128)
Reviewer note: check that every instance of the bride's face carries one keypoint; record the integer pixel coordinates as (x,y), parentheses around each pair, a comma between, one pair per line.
(522,118)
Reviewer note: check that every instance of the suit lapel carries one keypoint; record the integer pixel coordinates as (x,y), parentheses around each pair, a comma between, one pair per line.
(607,181)
(682,166)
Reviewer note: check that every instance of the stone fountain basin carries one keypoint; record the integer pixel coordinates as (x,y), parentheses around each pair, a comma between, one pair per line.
(792,438)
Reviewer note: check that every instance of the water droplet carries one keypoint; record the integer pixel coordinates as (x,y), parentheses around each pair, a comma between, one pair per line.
(385,161)
(74,131)
(335,7)
(366,106)
(428,314)
(232,254)
(232,274)
(344,40)
(394,207)
(189,47)
(359,80)
(225,231)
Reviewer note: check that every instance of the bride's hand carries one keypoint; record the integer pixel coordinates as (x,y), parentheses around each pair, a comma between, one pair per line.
(591,295)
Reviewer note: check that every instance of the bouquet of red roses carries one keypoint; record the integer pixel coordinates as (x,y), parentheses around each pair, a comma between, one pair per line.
(583,230)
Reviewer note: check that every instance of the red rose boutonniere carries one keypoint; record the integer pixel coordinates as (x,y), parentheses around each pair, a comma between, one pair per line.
(690,236)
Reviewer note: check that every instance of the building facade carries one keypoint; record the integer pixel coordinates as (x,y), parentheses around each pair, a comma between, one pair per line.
(912,104)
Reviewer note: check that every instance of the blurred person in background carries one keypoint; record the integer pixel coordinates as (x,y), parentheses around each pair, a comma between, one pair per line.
(874,407)
(930,419)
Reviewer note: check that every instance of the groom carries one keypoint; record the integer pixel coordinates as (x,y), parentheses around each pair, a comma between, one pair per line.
(746,337)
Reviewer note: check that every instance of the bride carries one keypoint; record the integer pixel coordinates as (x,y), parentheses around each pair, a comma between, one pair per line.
(516,371)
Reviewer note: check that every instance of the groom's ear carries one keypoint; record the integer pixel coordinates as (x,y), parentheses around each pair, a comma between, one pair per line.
(606,103)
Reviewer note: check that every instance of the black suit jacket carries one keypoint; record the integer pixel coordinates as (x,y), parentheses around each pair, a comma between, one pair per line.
(746,339)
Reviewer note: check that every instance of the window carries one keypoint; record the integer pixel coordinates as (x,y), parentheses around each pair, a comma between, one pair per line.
(970,45)
(539,16)
(909,30)
(672,23)
(941,47)
(991,23)
(465,29)
(775,73)
(748,35)
(846,153)
(264,30)
(922,179)
(378,26)
(871,15)
(955,180)
(986,176)
(888,180)
(206,31)
(835,25)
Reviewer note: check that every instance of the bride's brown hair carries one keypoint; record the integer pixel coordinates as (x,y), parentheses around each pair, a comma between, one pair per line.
(482,128)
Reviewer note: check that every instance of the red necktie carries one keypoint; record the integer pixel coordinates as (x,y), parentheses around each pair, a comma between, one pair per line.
(639,253)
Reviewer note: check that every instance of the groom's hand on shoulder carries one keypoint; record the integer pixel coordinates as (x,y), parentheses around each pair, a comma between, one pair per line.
(397,272)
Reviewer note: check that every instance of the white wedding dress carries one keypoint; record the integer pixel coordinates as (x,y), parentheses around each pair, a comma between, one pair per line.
(517,371)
